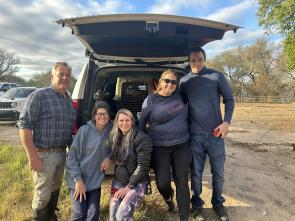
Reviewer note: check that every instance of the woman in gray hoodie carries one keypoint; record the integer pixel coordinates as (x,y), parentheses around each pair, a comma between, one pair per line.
(86,162)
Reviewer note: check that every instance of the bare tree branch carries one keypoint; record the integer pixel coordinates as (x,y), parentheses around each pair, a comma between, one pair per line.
(8,64)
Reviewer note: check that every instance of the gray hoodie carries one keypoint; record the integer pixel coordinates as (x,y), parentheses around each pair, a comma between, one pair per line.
(88,150)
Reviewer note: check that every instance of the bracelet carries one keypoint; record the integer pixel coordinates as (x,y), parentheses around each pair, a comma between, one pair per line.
(130,186)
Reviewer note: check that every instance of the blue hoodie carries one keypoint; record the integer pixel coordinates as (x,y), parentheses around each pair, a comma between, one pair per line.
(88,150)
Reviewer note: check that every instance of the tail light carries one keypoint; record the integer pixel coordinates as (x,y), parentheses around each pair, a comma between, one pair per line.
(76,107)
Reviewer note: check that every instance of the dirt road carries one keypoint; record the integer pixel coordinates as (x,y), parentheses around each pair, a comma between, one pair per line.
(259,173)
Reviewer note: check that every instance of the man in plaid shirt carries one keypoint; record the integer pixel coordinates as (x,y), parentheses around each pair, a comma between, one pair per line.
(45,128)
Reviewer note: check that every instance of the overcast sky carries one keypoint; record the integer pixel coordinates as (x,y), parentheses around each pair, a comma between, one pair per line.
(27,28)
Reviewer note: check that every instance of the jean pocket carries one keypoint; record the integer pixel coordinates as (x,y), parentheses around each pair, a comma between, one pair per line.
(43,155)
(217,138)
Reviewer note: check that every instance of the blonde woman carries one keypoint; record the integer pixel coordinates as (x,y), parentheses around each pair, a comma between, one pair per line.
(166,114)
(131,152)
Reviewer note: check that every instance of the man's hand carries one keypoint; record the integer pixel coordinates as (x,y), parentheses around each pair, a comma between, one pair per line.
(105,164)
(222,129)
(80,190)
(121,192)
(36,164)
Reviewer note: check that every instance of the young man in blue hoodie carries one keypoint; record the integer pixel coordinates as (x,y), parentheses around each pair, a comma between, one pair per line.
(202,89)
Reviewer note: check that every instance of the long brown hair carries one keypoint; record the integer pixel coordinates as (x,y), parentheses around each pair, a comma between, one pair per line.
(120,143)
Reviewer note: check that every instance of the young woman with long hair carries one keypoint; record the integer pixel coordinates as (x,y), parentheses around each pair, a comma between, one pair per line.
(131,153)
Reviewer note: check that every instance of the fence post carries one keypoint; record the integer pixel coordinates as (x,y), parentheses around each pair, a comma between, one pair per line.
(241,93)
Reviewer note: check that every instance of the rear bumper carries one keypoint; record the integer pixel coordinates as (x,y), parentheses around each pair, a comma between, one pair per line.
(8,115)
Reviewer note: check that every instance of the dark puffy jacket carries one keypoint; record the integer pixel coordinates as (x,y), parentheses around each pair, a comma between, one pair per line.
(136,169)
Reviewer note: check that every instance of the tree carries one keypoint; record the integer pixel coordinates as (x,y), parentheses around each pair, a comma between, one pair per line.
(290,52)
(43,80)
(257,69)
(19,80)
(8,64)
(278,16)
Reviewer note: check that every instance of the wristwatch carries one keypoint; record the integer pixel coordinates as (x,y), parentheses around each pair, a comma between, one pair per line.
(130,186)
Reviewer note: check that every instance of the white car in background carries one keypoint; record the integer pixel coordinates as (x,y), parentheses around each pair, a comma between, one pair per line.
(5,86)
(12,102)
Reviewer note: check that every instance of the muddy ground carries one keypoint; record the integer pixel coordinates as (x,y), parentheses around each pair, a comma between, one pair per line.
(259,168)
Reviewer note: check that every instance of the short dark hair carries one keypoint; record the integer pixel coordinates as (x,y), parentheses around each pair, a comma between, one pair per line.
(197,49)
(100,104)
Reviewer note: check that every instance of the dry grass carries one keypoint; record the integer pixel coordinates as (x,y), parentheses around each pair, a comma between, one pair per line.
(279,117)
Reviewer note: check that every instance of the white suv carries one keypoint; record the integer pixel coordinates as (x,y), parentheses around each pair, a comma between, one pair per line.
(128,52)
(12,102)
(5,86)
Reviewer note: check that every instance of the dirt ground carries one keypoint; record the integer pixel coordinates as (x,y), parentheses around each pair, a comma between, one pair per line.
(259,168)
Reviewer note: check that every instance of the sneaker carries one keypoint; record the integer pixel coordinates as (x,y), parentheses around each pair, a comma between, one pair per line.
(221,213)
(170,203)
(198,214)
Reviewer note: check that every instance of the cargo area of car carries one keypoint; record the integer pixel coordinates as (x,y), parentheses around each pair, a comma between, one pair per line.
(127,88)
(123,87)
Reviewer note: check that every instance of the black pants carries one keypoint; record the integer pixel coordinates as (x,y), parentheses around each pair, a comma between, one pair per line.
(177,158)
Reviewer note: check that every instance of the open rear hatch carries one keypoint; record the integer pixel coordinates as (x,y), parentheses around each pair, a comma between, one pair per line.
(144,37)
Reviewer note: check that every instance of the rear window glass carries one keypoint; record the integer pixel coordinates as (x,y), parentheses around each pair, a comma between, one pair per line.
(19,92)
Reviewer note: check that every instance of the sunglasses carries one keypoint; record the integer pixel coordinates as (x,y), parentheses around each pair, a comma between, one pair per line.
(167,81)
(195,60)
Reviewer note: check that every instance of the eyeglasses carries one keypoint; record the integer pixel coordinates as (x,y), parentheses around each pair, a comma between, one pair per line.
(195,60)
(101,114)
(167,81)
(62,75)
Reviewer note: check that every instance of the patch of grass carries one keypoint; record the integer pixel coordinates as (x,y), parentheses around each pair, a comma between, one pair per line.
(16,188)
(15,183)
(278,117)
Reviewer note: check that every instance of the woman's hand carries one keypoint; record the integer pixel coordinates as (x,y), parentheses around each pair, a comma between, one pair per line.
(80,190)
(121,192)
(105,164)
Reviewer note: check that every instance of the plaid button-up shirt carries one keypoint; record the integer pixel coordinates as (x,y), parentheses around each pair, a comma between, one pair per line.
(50,116)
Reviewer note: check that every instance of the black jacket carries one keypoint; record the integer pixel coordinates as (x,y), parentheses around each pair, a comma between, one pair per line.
(136,169)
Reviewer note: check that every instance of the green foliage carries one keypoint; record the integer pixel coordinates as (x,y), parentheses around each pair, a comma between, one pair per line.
(44,80)
(40,80)
(278,16)
(289,49)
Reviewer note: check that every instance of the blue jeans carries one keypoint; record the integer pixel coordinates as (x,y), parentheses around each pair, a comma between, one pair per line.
(202,145)
(87,210)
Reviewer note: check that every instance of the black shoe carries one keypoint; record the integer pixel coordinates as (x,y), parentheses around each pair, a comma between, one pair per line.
(221,213)
(40,215)
(52,206)
(170,203)
(198,214)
